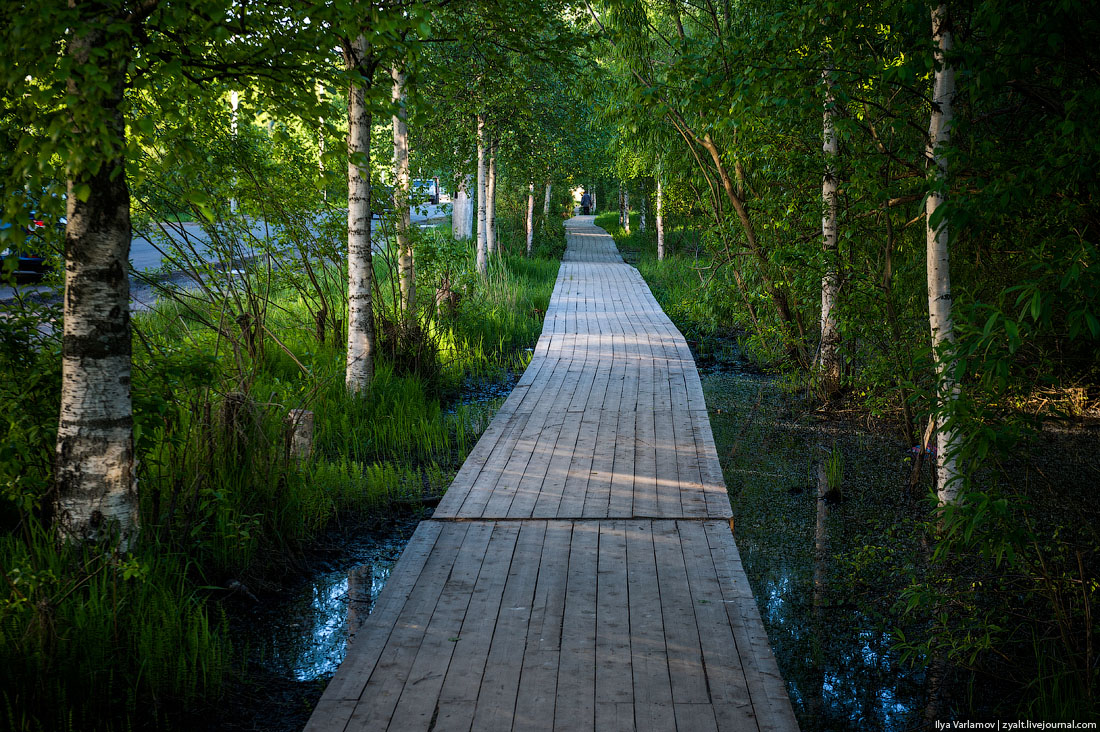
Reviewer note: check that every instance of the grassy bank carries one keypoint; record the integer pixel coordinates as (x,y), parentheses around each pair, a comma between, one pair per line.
(102,641)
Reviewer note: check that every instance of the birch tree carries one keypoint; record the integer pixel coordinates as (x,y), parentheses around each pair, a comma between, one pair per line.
(482,241)
(360,358)
(546,200)
(937,240)
(95,450)
(530,216)
(829,359)
(660,221)
(405,266)
(491,198)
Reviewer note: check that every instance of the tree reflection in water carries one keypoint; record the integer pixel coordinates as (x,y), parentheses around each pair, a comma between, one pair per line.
(833,647)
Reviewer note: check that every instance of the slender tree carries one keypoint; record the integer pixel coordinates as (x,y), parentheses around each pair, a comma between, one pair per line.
(530,216)
(938,262)
(546,200)
(660,220)
(491,197)
(829,357)
(482,241)
(360,358)
(95,452)
(405,266)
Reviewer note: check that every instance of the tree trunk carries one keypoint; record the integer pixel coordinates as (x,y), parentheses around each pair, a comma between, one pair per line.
(360,365)
(660,222)
(482,246)
(94,473)
(462,210)
(829,358)
(626,210)
(491,200)
(939,275)
(530,217)
(622,217)
(405,266)
(546,201)
(643,207)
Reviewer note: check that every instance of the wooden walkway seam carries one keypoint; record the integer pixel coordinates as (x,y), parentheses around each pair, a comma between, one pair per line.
(581,572)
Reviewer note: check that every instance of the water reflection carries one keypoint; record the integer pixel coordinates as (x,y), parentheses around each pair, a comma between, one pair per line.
(304,634)
(832,646)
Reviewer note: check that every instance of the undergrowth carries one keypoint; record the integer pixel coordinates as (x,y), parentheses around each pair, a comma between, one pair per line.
(92,639)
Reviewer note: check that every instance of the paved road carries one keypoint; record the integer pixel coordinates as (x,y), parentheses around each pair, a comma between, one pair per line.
(146,256)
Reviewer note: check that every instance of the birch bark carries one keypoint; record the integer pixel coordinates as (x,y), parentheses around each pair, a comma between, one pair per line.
(660,222)
(360,364)
(830,282)
(642,210)
(626,210)
(939,275)
(491,200)
(530,217)
(405,265)
(482,242)
(546,200)
(94,474)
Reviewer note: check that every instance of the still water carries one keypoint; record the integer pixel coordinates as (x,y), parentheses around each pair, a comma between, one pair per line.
(810,500)
(814,503)
(303,635)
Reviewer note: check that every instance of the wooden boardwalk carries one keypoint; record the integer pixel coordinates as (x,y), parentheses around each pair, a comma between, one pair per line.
(580,573)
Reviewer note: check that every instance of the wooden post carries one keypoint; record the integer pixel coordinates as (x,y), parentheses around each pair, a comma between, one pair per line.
(299,438)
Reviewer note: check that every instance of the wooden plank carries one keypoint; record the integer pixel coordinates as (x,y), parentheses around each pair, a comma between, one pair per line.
(557,473)
(648,654)
(614,679)
(496,701)
(725,674)
(685,657)
(539,676)
(695,718)
(574,708)
(388,677)
(417,703)
(463,677)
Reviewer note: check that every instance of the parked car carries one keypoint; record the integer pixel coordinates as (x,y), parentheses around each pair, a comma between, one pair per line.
(425,191)
(31,246)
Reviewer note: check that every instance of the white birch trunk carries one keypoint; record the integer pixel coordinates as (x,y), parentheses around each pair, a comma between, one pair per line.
(482,245)
(626,210)
(234,104)
(405,266)
(360,365)
(621,216)
(491,200)
(939,275)
(660,222)
(94,473)
(530,217)
(546,200)
(830,283)
(642,211)
(462,209)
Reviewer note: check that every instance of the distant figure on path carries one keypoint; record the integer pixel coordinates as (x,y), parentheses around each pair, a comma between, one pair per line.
(586,202)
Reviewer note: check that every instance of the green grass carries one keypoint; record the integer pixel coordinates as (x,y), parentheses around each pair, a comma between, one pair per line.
(95,641)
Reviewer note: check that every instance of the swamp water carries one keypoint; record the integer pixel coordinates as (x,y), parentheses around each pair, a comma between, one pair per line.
(810,500)
(836,659)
